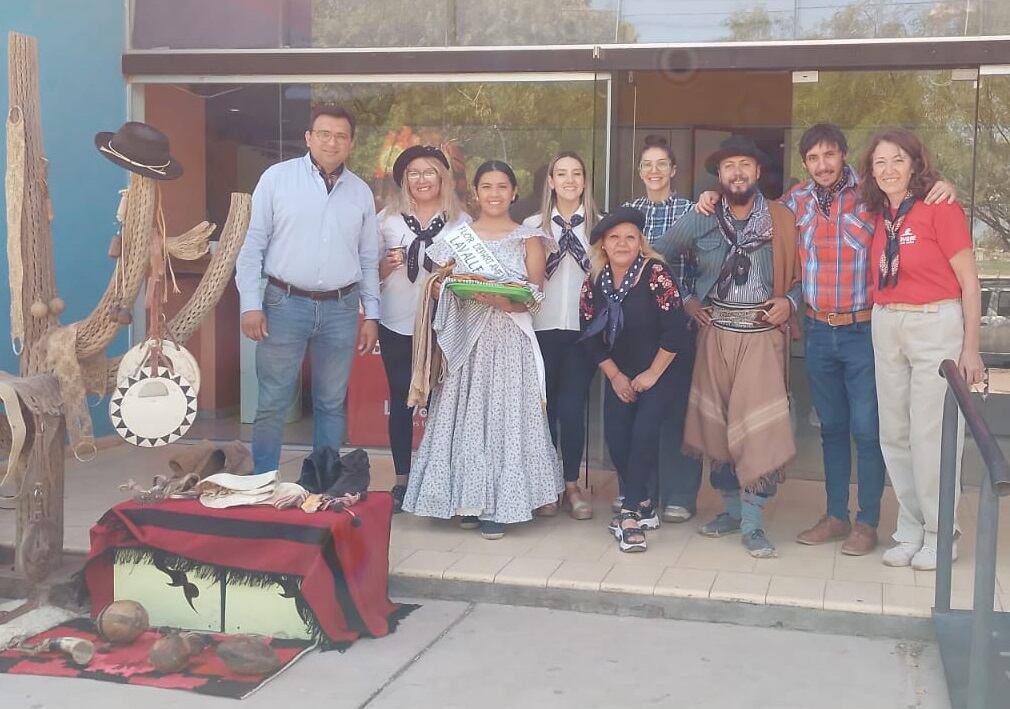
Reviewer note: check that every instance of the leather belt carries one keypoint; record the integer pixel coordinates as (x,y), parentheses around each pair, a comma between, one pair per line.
(840,319)
(933,307)
(739,317)
(336,294)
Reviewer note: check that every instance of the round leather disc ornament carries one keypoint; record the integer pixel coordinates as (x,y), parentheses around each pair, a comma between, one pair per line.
(153,409)
(182,361)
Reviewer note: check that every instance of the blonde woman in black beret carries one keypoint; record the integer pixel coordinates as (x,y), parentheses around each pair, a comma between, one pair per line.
(423,207)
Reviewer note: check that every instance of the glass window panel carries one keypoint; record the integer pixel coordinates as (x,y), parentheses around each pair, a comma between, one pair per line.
(933,104)
(991,215)
(534,22)
(245,24)
(197,24)
(515,121)
(939,109)
(229,134)
(352,23)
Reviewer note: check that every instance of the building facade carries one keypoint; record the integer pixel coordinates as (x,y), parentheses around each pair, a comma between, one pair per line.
(232,83)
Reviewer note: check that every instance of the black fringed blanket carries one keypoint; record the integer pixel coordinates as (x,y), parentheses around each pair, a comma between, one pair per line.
(341,569)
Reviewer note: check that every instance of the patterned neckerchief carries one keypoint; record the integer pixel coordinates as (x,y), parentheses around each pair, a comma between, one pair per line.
(568,244)
(329,178)
(756,232)
(610,318)
(826,195)
(890,258)
(421,237)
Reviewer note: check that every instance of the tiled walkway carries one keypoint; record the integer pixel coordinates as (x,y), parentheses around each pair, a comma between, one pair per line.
(562,553)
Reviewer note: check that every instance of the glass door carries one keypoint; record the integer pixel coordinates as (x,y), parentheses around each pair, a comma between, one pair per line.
(940,106)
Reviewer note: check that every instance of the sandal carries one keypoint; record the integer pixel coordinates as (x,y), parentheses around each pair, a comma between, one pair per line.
(576,505)
(629,539)
(548,510)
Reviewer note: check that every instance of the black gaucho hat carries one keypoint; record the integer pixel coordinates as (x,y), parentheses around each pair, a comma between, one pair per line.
(621,215)
(139,148)
(413,153)
(733,146)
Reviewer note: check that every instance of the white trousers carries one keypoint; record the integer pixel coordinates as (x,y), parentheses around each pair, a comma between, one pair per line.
(908,348)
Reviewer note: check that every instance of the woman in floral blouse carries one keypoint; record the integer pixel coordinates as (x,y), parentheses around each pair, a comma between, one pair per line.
(633,326)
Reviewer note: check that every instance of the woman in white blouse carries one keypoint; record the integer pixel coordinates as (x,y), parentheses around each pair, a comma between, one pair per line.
(568,213)
(422,208)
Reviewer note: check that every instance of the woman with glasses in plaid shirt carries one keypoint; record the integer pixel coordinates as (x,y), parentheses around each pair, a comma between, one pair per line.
(679,476)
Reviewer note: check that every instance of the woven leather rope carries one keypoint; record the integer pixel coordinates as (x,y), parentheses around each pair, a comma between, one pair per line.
(14,188)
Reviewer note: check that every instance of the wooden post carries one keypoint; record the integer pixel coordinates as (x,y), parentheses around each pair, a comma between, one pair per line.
(44,508)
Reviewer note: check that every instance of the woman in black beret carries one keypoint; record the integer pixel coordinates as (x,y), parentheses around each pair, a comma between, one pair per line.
(633,326)
(423,207)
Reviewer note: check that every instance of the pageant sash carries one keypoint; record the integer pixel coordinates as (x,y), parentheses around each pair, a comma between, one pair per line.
(473,255)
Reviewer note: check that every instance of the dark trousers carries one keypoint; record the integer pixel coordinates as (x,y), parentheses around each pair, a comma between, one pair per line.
(632,433)
(397,350)
(679,475)
(843,386)
(568,371)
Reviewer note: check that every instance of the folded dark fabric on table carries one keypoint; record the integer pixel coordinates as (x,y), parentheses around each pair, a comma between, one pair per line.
(327,472)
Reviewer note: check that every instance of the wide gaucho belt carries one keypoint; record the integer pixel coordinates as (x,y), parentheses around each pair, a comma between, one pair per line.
(739,317)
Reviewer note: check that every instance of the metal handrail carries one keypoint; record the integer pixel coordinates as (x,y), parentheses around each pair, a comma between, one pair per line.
(992,455)
(959,396)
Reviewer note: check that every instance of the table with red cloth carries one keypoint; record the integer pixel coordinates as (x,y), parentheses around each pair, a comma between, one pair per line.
(342,567)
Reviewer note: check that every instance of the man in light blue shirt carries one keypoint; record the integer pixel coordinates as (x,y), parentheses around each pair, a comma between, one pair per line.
(313,235)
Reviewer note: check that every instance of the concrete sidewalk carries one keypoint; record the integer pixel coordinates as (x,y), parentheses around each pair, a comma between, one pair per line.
(453,654)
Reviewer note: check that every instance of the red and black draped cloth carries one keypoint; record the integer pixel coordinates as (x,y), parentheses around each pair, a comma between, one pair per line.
(340,570)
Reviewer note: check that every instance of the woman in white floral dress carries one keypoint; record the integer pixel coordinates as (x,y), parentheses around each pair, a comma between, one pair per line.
(487,454)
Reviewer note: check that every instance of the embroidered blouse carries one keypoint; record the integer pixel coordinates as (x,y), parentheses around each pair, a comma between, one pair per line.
(653,320)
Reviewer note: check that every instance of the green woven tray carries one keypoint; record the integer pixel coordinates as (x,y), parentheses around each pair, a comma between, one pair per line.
(468,289)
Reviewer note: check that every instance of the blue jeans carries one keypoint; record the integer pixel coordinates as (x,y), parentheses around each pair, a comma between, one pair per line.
(328,328)
(679,474)
(842,385)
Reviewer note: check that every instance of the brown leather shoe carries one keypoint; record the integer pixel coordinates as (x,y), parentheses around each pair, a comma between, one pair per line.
(827,529)
(861,540)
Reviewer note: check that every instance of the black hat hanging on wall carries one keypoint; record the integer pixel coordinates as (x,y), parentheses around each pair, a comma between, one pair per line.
(139,148)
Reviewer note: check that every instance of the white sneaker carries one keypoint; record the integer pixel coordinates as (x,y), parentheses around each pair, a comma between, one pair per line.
(925,558)
(676,513)
(902,554)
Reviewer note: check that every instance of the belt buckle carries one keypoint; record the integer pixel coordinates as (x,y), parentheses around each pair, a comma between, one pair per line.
(831,319)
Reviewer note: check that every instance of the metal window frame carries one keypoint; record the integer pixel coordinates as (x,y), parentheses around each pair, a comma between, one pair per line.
(826,55)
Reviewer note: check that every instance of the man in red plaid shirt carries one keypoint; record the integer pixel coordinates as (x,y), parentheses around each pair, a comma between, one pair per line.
(835,232)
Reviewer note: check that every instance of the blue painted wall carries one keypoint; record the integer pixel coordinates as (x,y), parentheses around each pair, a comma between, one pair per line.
(82,92)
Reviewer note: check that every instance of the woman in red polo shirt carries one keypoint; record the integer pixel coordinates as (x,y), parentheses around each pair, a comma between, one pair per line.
(927,308)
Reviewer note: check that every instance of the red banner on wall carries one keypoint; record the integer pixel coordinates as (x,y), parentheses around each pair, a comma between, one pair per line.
(368,404)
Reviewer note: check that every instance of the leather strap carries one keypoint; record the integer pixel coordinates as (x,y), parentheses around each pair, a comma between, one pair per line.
(15,419)
(840,319)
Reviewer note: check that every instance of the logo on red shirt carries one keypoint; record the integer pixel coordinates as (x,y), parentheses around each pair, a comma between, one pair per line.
(907,237)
